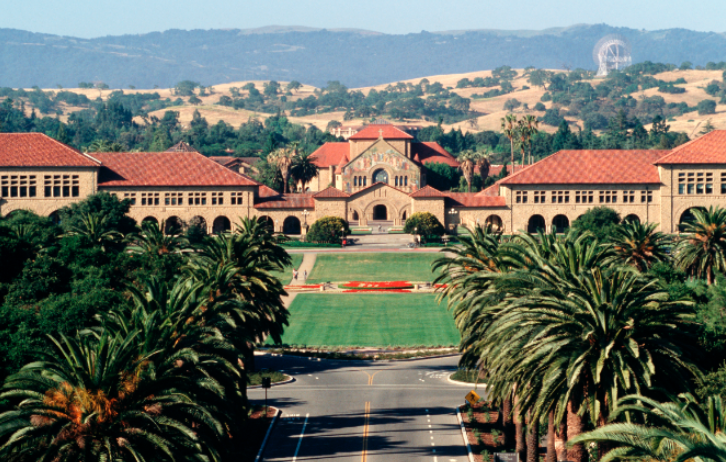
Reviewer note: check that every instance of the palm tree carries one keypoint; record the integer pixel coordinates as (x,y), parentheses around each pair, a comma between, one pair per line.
(484,164)
(640,245)
(303,170)
(466,164)
(95,229)
(509,128)
(152,240)
(702,252)
(532,126)
(523,138)
(674,431)
(283,158)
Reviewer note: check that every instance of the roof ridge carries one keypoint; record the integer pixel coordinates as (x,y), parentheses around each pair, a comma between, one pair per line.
(677,149)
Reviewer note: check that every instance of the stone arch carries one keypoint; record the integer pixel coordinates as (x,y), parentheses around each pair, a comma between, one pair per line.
(404,213)
(380,175)
(560,223)
(198,221)
(150,219)
(380,212)
(354,216)
(268,222)
(368,212)
(55,217)
(495,222)
(291,225)
(12,213)
(536,223)
(632,218)
(221,225)
(687,217)
(173,225)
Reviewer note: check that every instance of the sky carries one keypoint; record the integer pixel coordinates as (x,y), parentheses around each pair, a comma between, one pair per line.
(95,18)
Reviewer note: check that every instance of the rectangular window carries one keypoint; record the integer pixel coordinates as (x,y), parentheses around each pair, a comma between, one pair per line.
(560,197)
(629,197)
(723,183)
(584,197)
(608,197)
(61,186)
(173,199)
(149,199)
(218,198)
(521,197)
(237,198)
(539,197)
(646,196)
(197,199)
(18,186)
(131,197)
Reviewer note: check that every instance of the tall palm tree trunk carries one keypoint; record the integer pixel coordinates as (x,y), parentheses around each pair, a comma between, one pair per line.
(551,452)
(561,442)
(511,143)
(533,441)
(519,437)
(577,452)
(507,426)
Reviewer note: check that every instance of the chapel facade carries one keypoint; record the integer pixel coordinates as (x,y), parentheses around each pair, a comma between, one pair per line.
(376,179)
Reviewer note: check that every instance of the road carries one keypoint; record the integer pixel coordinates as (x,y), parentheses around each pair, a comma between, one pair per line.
(364,411)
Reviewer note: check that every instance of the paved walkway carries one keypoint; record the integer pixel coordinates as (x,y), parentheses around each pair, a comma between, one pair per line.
(306,265)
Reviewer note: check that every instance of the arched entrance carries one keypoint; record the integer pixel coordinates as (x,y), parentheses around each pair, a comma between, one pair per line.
(267,222)
(380,176)
(55,217)
(380,213)
(291,225)
(198,222)
(221,225)
(560,223)
(632,218)
(688,217)
(173,225)
(536,223)
(150,219)
(356,217)
(494,222)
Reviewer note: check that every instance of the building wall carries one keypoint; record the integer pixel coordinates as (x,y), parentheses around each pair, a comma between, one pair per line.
(396,203)
(380,155)
(331,208)
(436,206)
(677,197)
(305,217)
(67,186)
(471,217)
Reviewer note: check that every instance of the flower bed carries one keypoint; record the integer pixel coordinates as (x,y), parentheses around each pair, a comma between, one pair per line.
(377,290)
(384,285)
(304,287)
(440,286)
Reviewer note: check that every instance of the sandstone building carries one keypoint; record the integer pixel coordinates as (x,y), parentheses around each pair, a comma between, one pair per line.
(377,178)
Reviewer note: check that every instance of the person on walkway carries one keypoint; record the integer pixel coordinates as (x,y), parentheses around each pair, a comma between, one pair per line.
(305,275)
(294,274)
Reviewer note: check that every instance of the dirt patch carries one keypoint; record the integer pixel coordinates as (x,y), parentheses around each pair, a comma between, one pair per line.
(255,430)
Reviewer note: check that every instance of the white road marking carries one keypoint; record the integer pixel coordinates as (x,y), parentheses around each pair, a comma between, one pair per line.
(302,433)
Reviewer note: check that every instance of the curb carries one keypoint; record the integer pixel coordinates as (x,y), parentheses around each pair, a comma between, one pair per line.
(463,434)
(267,435)
(289,380)
(466,384)
(417,358)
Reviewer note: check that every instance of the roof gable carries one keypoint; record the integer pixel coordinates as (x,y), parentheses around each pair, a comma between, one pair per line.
(40,150)
(385,131)
(708,149)
(375,187)
(427,192)
(166,169)
(330,154)
(430,152)
(330,193)
(591,167)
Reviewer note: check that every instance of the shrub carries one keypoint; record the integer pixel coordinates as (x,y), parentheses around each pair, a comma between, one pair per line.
(707,106)
(511,104)
(600,221)
(539,107)
(328,230)
(427,226)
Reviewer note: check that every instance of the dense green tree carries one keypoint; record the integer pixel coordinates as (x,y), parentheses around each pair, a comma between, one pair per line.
(601,222)
(328,230)
(640,245)
(702,251)
(424,224)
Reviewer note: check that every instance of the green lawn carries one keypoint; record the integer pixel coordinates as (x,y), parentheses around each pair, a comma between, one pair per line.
(286,276)
(344,267)
(376,320)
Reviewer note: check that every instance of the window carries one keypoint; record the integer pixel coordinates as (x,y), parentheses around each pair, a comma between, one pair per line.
(131,197)
(61,186)
(698,183)
(723,183)
(365,180)
(608,197)
(646,196)
(405,181)
(521,197)
(539,197)
(149,198)
(560,197)
(237,198)
(18,186)
(629,197)
(584,197)
(173,198)
(197,199)
(217,198)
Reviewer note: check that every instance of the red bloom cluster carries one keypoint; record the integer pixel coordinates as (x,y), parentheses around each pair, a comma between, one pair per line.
(377,290)
(440,286)
(312,286)
(385,285)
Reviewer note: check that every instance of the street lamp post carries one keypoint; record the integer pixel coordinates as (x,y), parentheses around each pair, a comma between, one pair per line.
(342,235)
(453,213)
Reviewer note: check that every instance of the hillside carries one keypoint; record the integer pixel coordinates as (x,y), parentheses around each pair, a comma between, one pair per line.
(355,58)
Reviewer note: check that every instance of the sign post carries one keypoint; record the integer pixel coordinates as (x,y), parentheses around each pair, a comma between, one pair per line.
(472,397)
(266,383)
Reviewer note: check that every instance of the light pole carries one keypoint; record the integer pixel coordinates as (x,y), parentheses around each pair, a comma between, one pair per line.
(342,235)
(305,214)
(453,213)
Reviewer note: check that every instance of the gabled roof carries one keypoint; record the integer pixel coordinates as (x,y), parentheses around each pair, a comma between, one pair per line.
(287,201)
(181,146)
(427,192)
(330,154)
(591,167)
(376,184)
(330,192)
(223,160)
(165,169)
(375,131)
(708,149)
(266,192)
(40,150)
(429,152)
(495,170)
(474,200)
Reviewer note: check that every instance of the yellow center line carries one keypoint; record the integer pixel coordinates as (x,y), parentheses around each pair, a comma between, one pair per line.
(370,380)
(365,431)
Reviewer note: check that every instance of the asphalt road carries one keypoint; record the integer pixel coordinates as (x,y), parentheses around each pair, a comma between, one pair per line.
(364,411)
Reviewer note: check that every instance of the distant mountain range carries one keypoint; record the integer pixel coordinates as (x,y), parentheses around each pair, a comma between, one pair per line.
(315,56)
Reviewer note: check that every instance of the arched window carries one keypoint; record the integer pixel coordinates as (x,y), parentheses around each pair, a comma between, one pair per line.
(560,223)
(355,181)
(396,183)
(536,223)
(405,179)
(365,180)
(355,216)
(291,225)
(380,176)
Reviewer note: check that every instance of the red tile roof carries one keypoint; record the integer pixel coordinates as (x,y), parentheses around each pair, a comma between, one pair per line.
(330,192)
(39,150)
(428,152)
(375,131)
(427,192)
(708,149)
(495,170)
(165,169)
(181,146)
(223,160)
(265,192)
(474,200)
(330,154)
(592,167)
(492,191)
(288,201)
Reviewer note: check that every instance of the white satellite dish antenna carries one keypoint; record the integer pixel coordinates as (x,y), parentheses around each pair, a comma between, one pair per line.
(612,53)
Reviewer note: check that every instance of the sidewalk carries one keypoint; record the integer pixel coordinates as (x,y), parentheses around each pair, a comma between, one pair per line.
(306,265)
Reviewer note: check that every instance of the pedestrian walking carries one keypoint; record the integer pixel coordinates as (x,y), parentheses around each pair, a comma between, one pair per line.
(305,275)
(294,274)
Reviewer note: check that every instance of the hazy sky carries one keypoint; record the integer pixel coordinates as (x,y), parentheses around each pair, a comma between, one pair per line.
(93,18)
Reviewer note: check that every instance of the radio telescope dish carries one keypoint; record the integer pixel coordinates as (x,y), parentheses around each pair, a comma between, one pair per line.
(612,52)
